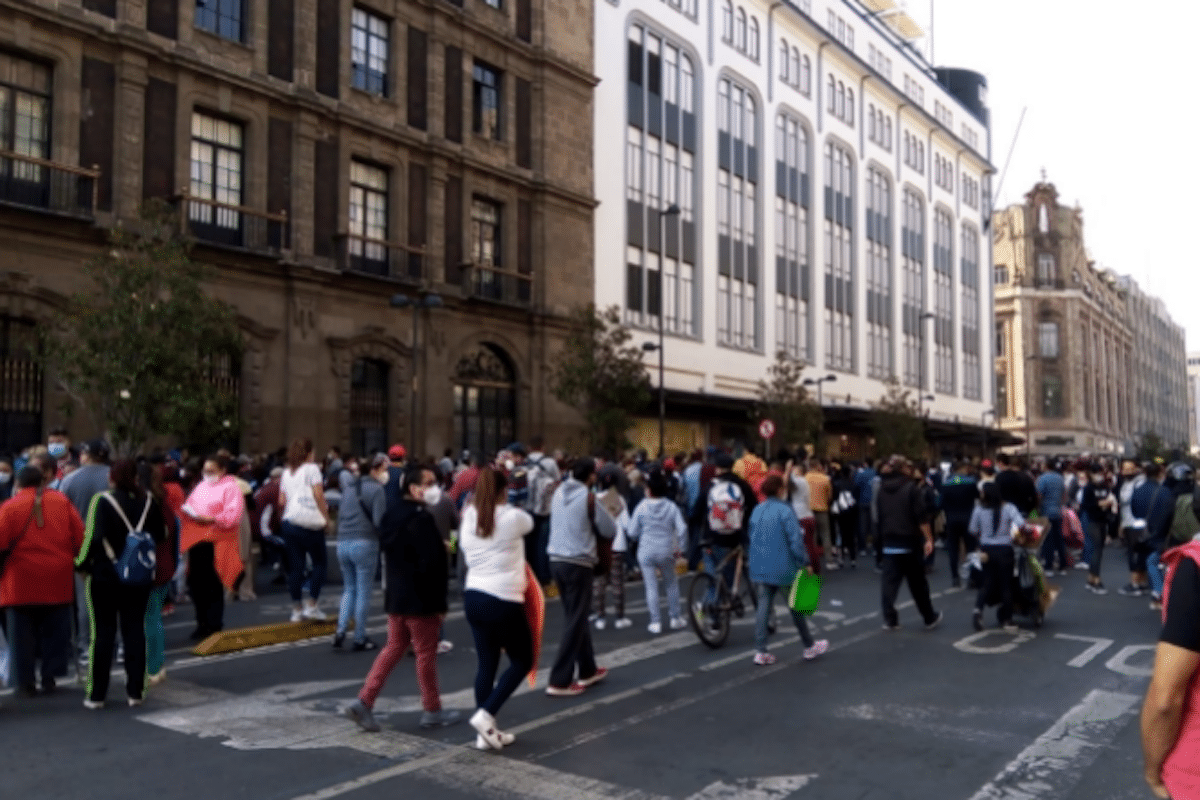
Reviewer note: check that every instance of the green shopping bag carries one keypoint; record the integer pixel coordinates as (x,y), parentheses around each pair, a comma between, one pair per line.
(806,592)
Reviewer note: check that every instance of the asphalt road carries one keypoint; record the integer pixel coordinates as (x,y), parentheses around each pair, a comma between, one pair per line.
(883,716)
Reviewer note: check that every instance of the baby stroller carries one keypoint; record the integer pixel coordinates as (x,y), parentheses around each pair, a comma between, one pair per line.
(1032,596)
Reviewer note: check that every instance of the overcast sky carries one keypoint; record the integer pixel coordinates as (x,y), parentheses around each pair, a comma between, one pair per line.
(1110,107)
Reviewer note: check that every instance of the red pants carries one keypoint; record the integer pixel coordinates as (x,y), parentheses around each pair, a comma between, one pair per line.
(809,526)
(422,632)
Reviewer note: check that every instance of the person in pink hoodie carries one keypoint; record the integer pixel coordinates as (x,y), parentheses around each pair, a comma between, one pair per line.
(1171,714)
(214,510)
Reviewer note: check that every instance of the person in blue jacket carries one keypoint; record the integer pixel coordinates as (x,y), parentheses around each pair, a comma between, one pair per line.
(776,555)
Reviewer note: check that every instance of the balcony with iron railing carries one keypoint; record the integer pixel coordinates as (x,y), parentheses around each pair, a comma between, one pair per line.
(370,256)
(497,285)
(38,183)
(231,225)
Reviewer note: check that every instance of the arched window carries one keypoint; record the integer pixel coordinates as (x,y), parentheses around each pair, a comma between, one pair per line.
(21,385)
(832,95)
(784,62)
(841,100)
(368,406)
(740,31)
(805,75)
(753,38)
(1043,219)
(850,106)
(485,400)
(727,22)
(797,75)
(887,131)
(871,133)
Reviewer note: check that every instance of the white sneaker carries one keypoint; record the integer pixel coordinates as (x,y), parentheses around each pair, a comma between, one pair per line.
(819,648)
(156,678)
(622,623)
(601,624)
(313,613)
(93,705)
(485,725)
(655,628)
(444,647)
(678,623)
(1081,565)
(297,615)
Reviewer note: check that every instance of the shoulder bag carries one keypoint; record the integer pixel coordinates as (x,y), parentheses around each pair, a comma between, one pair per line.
(34,511)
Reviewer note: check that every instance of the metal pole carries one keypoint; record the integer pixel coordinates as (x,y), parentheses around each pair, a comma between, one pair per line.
(412,406)
(662,389)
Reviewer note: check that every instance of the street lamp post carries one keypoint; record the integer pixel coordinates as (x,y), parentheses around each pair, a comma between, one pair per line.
(921,396)
(670,211)
(819,383)
(417,304)
(1028,407)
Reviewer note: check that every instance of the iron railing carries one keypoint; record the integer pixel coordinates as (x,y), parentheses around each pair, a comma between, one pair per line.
(49,185)
(370,256)
(497,285)
(232,225)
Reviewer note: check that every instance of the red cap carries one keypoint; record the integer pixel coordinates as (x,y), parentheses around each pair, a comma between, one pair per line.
(669,463)
(986,463)
(397,452)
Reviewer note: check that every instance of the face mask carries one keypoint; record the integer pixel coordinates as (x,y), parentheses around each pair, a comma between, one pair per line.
(5,477)
(508,465)
(433,495)
(211,478)
(57,449)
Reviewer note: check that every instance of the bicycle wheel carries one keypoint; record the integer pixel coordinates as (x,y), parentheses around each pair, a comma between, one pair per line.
(710,619)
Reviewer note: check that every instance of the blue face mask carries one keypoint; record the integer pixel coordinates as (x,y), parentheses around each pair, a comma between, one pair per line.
(57,449)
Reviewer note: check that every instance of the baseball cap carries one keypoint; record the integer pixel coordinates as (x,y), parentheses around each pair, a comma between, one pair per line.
(517,449)
(95,447)
(397,452)
(669,464)
(724,461)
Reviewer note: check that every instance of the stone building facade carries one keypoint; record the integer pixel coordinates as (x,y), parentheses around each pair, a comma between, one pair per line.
(326,155)
(1085,361)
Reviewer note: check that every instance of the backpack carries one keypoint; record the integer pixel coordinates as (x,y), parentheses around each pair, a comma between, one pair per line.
(541,489)
(725,507)
(518,486)
(844,502)
(1184,525)
(136,564)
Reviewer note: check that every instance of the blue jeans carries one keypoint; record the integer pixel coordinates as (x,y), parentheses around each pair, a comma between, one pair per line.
(766,606)
(651,564)
(1157,574)
(713,556)
(1053,543)
(357,559)
(302,544)
(155,635)
(1088,545)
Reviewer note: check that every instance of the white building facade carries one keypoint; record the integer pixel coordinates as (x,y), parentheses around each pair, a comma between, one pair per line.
(832,196)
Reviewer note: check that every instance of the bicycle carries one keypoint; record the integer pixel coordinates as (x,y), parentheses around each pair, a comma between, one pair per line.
(711,618)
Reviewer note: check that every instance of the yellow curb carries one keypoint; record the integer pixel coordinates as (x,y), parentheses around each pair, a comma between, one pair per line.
(231,641)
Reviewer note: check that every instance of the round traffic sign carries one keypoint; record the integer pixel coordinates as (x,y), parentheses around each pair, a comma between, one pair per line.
(766,429)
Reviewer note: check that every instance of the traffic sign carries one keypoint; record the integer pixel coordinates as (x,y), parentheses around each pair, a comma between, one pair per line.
(766,429)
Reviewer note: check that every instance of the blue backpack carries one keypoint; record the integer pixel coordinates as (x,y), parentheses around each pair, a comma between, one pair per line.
(136,563)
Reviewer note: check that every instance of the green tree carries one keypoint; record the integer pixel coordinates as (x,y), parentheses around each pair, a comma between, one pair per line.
(1151,446)
(783,399)
(602,374)
(897,424)
(137,348)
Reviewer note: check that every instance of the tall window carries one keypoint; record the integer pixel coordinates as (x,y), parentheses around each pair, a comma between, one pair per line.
(368,52)
(727,22)
(839,258)
(1048,339)
(222,17)
(739,32)
(24,127)
(660,157)
(487,101)
(1043,218)
(737,216)
(972,369)
(21,389)
(487,252)
(485,400)
(880,363)
(216,175)
(1052,397)
(752,43)
(1047,270)
(912,251)
(943,301)
(368,406)
(1000,275)
(368,218)
(792,276)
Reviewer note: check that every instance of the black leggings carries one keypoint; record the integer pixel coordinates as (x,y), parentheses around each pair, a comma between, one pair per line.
(498,625)
(116,606)
(997,581)
(208,595)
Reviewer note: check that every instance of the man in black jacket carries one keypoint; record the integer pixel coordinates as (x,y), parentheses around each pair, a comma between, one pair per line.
(958,496)
(903,522)
(1016,485)
(415,600)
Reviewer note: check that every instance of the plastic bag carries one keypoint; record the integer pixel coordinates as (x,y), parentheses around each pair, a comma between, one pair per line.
(805,595)
(971,562)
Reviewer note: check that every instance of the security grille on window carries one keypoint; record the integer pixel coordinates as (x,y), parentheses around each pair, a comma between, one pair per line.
(792,275)
(21,396)
(369,406)
(368,218)
(943,285)
(222,17)
(737,216)
(24,128)
(971,347)
(912,251)
(216,174)
(879,276)
(839,258)
(661,141)
(486,250)
(486,100)
(369,51)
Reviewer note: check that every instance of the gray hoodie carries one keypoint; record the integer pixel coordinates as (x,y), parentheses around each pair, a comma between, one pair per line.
(659,528)
(571,538)
(353,523)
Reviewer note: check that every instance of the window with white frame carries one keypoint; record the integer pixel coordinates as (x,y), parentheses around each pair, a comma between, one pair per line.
(880,62)
(914,152)
(792,273)
(839,258)
(1000,275)
(943,114)
(368,217)
(840,30)
(943,172)
(795,68)
(943,302)
(880,336)
(912,263)
(1048,339)
(1047,270)
(660,276)
(737,216)
(970,191)
(739,29)
(970,136)
(216,172)
(727,21)
(368,51)
(879,127)
(685,7)
(971,331)
(840,102)
(914,90)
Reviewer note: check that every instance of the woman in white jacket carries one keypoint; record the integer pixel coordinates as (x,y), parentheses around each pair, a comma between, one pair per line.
(492,538)
(661,533)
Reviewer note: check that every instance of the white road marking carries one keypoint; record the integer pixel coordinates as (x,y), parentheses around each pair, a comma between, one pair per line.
(752,789)
(1054,763)
(1098,647)
(968,643)
(1118,663)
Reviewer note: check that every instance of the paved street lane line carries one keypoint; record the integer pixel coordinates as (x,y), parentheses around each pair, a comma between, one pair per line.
(755,789)
(1081,660)
(1055,762)
(379,776)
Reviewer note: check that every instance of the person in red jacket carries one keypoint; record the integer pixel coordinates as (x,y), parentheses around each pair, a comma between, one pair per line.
(43,533)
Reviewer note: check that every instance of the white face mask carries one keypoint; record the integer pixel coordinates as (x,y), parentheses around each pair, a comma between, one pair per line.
(509,464)
(211,478)
(433,495)
(5,478)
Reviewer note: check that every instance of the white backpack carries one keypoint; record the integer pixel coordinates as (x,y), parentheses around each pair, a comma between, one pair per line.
(726,507)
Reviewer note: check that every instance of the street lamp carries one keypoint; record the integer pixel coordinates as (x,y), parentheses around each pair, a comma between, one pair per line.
(426,301)
(672,210)
(1028,407)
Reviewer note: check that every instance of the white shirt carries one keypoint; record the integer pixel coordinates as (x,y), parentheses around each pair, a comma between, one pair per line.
(496,565)
(800,498)
(297,486)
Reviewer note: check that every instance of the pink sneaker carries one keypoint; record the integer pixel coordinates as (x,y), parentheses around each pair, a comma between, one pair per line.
(764,659)
(818,649)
